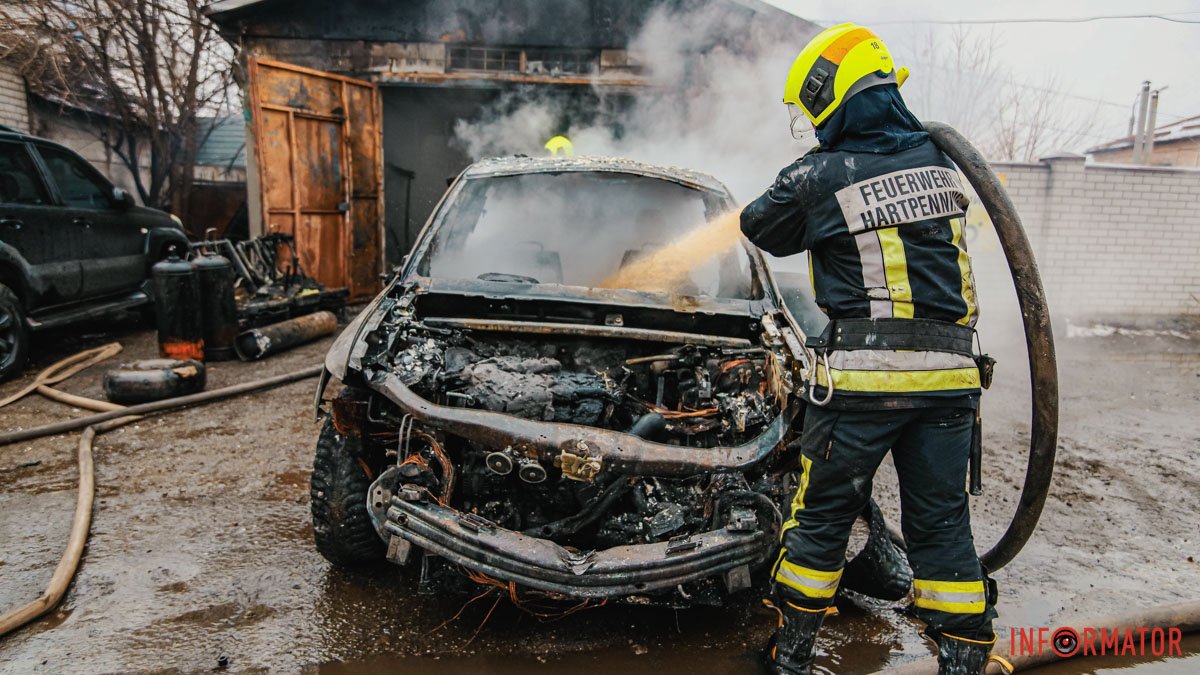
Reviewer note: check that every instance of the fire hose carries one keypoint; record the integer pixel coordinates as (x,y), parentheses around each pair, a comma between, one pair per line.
(19,435)
(1039,339)
(110,417)
(61,370)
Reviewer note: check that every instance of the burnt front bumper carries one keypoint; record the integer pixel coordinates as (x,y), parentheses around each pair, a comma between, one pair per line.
(476,544)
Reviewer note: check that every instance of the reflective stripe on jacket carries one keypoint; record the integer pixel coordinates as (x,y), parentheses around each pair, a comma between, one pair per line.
(886,239)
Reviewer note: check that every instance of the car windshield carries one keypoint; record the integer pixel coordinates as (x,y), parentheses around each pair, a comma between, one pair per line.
(582,229)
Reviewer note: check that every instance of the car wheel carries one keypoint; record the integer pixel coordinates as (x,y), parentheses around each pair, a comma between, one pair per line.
(341,526)
(14,334)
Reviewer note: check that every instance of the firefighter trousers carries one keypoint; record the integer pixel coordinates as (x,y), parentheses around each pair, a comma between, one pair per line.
(840,452)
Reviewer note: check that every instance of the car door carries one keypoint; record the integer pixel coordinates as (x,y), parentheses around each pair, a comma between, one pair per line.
(33,238)
(111,247)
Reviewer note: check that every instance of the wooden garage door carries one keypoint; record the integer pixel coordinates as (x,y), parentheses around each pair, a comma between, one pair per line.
(317,146)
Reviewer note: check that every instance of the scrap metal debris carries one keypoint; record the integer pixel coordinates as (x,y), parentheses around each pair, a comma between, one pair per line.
(271,285)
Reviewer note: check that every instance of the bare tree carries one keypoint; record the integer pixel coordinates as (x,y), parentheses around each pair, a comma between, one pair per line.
(965,86)
(1035,119)
(148,68)
(958,82)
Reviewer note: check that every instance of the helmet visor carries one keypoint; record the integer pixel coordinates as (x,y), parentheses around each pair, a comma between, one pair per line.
(802,128)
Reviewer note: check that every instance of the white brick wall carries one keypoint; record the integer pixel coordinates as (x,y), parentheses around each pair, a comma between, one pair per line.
(84,137)
(1112,242)
(14,108)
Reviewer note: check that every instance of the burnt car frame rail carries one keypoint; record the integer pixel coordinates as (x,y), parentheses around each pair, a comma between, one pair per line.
(614,451)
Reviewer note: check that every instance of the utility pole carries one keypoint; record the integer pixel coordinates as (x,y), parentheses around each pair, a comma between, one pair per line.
(1151,121)
(1139,127)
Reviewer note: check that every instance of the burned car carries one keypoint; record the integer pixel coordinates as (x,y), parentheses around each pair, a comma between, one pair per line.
(509,417)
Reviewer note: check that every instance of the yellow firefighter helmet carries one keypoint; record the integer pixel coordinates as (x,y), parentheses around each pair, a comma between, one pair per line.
(561,144)
(837,64)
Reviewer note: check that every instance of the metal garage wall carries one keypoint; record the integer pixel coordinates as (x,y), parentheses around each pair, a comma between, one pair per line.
(318,159)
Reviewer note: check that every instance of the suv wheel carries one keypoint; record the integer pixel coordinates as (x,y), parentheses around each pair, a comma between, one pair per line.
(14,334)
(341,526)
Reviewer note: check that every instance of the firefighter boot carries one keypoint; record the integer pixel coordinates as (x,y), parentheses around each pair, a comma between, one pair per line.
(794,644)
(960,656)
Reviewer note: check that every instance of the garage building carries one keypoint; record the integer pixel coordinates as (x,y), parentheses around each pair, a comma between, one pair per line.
(351,106)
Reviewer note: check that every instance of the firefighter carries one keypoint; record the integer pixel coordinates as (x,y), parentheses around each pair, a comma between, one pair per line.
(560,145)
(880,210)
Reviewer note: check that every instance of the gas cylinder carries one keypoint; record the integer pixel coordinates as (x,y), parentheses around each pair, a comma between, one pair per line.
(177,309)
(218,309)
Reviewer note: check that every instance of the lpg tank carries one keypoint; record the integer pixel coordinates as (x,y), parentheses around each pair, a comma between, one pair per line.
(177,309)
(218,309)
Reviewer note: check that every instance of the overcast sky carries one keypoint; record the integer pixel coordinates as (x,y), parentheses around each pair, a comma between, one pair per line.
(1105,60)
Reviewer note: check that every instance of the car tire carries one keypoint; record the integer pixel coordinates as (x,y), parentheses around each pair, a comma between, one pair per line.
(153,380)
(341,526)
(14,334)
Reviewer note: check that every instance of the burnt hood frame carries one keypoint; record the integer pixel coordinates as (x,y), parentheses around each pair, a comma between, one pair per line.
(614,451)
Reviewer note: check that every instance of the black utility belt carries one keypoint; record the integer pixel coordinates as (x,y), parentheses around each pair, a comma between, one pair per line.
(895,334)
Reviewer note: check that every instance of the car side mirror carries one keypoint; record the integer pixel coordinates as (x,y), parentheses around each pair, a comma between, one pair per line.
(122,199)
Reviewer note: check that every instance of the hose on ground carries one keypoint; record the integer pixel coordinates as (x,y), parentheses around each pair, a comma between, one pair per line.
(61,370)
(113,416)
(1039,339)
(79,401)
(153,407)
(1184,615)
(80,525)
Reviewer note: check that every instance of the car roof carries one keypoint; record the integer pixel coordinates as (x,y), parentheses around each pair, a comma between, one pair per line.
(9,132)
(521,164)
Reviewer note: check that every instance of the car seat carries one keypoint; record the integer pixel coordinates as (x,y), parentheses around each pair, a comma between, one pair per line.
(527,259)
(547,263)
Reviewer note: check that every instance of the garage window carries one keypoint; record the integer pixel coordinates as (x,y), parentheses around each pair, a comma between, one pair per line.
(545,61)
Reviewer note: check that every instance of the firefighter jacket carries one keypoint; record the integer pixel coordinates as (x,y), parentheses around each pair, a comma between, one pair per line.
(881,212)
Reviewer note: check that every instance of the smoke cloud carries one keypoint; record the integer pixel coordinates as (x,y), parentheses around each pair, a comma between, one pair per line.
(717,108)
(715,105)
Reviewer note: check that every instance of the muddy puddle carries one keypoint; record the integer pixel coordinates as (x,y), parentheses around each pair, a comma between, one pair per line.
(717,662)
(691,641)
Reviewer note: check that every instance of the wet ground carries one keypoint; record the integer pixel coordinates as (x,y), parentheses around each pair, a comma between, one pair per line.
(201,547)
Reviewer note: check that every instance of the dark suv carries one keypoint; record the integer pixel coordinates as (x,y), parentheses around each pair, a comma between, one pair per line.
(71,245)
